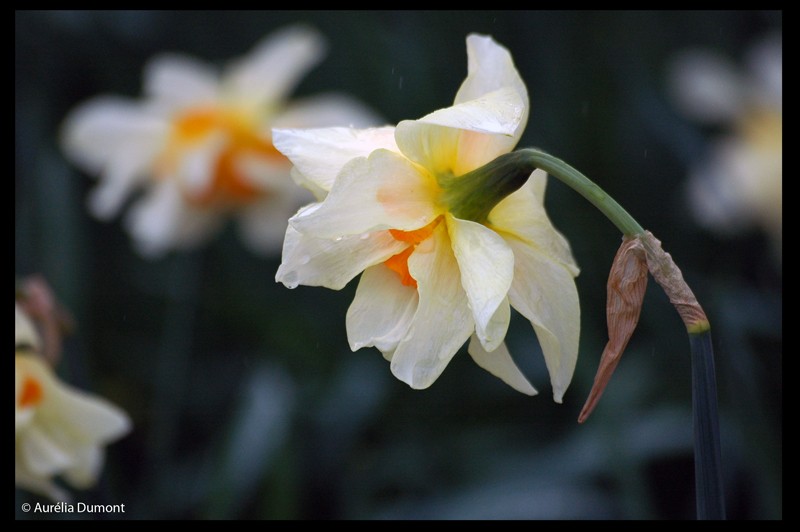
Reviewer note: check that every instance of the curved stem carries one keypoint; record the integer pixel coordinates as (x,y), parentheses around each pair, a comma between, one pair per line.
(707,456)
(586,188)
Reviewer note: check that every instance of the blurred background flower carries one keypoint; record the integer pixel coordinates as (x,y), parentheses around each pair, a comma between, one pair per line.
(200,144)
(60,431)
(246,398)
(738,182)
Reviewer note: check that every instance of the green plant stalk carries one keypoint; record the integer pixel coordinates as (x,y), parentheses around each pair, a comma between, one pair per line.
(708,461)
(586,188)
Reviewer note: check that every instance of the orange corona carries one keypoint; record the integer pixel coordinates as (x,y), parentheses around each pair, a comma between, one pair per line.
(32,393)
(399,263)
(228,186)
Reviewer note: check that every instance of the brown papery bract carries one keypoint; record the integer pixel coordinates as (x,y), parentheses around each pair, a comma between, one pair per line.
(627,283)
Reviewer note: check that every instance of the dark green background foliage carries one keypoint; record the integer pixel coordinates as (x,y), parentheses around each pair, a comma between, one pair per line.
(246,400)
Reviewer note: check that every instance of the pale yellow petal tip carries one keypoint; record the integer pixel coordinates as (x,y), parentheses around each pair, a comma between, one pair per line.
(24,330)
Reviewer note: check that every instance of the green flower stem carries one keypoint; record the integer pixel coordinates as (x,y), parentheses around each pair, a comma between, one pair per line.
(586,188)
(707,456)
(705,420)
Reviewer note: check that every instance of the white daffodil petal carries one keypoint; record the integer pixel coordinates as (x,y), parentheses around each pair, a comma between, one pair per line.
(383,191)
(495,331)
(464,137)
(162,220)
(24,332)
(116,139)
(382,310)
(490,67)
(497,112)
(320,154)
(86,467)
(32,482)
(267,173)
(275,65)
(326,110)
(706,86)
(500,364)
(197,167)
(522,214)
(42,455)
(174,81)
(544,292)
(87,419)
(313,261)
(300,180)
(765,63)
(487,267)
(262,226)
(442,322)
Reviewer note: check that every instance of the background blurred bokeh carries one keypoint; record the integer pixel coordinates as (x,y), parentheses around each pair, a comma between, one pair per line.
(246,400)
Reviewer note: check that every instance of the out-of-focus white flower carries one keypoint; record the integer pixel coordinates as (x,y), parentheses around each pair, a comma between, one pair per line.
(59,430)
(440,265)
(199,145)
(740,181)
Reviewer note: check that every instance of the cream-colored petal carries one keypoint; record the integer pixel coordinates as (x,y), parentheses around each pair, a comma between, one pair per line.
(302,181)
(327,110)
(43,485)
(87,464)
(24,332)
(162,221)
(464,137)
(706,86)
(500,364)
(489,67)
(174,81)
(116,140)
(267,173)
(42,455)
(82,418)
(497,326)
(765,65)
(487,267)
(22,416)
(442,322)
(263,225)
(313,261)
(381,312)
(522,215)
(543,290)
(498,112)
(320,154)
(382,191)
(275,65)
(196,168)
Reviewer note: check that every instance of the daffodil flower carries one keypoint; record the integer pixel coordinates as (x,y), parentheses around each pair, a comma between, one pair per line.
(59,430)
(444,257)
(199,144)
(739,180)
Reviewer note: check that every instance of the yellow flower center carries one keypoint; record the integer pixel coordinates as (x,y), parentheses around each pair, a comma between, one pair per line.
(32,393)
(227,187)
(399,263)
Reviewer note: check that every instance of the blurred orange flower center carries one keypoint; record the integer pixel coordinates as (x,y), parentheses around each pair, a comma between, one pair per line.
(32,393)
(240,138)
(399,263)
